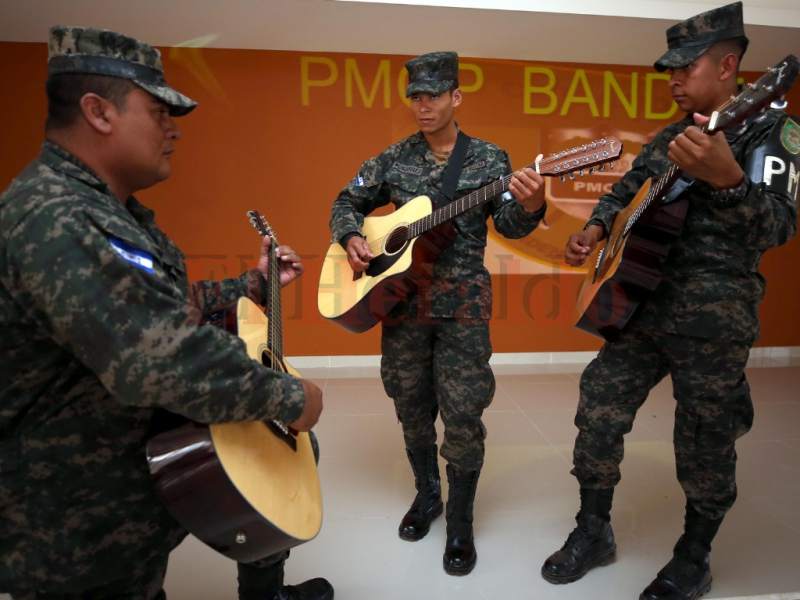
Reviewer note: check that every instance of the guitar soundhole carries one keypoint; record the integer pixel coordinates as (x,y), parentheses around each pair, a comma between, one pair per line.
(396,240)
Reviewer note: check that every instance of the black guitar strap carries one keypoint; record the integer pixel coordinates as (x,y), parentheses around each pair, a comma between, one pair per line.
(454,165)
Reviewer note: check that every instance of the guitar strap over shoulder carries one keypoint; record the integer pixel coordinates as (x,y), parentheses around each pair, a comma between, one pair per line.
(454,166)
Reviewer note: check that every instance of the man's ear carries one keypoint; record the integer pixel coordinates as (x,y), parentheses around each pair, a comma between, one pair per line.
(95,111)
(728,66)
(457,97)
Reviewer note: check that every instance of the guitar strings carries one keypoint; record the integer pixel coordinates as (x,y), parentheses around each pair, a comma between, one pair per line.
(489,191)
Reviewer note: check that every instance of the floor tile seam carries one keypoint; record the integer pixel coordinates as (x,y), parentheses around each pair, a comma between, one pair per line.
(539,430)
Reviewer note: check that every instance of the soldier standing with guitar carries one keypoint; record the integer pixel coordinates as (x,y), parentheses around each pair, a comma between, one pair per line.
(700,322)
(436,346)
(101,329)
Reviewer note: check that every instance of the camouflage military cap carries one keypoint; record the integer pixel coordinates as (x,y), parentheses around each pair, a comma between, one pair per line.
(432,73)
(102,52)
(689,39)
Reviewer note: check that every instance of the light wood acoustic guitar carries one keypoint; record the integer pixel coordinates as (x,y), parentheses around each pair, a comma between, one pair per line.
(406,242)
(247,489)
(627,267)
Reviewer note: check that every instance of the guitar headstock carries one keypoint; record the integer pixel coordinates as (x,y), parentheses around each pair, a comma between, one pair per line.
(261,224)
(586,156)
(771,85)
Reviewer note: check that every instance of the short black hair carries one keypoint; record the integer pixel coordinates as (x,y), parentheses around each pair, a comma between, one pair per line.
(737,46)
(65,90)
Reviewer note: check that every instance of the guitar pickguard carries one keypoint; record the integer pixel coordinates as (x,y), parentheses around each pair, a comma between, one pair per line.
(383,262)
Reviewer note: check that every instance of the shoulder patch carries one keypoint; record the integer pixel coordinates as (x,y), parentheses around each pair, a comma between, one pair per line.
(138,258)
(790,136)
(357,181)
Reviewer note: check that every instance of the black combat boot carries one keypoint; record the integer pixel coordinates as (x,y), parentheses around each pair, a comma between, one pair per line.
(313,589)
(427,504)
(591,543)
(263,580)
(688,575)
(459,551)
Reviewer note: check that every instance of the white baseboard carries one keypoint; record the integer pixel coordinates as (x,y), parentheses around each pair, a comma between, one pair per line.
(509,363)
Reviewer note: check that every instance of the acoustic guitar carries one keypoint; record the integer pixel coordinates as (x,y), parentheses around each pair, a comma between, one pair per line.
(627,267)
(247,489)
(406,242)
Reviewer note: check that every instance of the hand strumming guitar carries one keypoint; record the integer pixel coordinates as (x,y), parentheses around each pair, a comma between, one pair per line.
(580,245)
(311,409)
(358,253)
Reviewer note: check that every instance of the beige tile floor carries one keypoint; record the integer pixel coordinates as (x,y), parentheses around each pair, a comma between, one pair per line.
(526,500)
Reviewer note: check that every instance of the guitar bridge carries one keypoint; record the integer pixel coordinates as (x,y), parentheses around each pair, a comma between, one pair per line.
(283,433)
(597,264)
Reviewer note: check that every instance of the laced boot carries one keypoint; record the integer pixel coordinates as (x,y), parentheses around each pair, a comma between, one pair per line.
(459,552)
(591,543)
(687,576)
(427,504)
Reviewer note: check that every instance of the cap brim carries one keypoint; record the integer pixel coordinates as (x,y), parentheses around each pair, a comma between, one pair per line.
(677,58)
(431,86)
(179,104)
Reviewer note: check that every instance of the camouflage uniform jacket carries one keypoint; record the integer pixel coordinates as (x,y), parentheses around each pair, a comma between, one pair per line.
(711,286)
(460,286)
(100,329)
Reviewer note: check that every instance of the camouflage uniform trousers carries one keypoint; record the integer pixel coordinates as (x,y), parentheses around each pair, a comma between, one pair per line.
(440,365)
(713,410)
(145,582)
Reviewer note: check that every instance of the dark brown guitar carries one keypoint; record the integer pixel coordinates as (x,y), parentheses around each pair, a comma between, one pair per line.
(625,269)
(407,242)
(246,489)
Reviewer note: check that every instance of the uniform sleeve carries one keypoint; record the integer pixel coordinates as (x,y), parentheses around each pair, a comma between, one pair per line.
(366,192)
(510,218)
(127,322)
(212,296)
(766,205)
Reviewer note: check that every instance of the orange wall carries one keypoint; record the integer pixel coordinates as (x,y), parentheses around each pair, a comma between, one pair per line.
(284,131)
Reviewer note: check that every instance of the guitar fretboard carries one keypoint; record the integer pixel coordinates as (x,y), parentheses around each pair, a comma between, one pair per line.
(457,207)
(559,164)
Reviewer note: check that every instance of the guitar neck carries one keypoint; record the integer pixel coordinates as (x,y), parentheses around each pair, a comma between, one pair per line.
(579,158)
(662,185)
(458,207)
(275,327)
(273,303)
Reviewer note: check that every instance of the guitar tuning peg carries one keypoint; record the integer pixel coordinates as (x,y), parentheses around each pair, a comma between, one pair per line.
(572,175)
(592,170)
(562,178)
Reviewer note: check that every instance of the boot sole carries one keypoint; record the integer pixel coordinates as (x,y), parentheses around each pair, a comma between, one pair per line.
(459,572)
(704,591)
(600,561)
(417,537)
(701,592)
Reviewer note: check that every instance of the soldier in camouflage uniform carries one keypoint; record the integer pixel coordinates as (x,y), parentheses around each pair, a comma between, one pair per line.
(101,333)
(436,346)
(700,323)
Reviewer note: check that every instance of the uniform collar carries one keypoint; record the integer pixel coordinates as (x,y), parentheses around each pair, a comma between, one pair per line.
(59,159)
